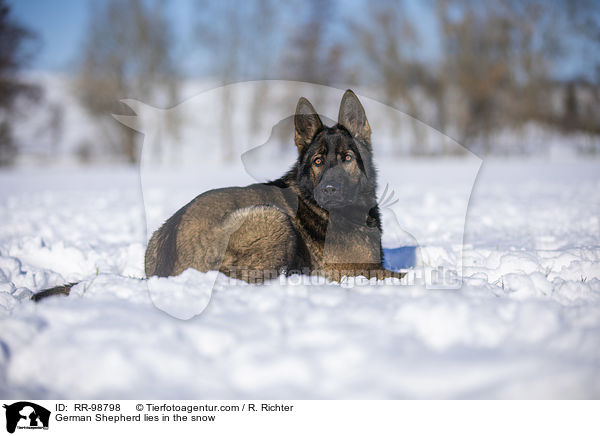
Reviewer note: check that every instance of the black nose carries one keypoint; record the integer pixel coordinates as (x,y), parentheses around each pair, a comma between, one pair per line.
(329,190)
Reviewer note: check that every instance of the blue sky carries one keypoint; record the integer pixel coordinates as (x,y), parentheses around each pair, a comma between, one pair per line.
(61,27)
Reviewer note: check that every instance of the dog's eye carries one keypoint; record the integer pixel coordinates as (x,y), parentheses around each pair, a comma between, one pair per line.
(347,157)
(318,161)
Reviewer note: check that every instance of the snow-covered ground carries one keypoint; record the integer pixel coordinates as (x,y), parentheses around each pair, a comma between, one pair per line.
(525,324)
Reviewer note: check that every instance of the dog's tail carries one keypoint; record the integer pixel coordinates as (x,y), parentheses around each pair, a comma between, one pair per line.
(57,290)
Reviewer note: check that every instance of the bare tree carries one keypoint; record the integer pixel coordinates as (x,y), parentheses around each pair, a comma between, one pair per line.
(214,25)
(264,23)
(390,45)
(309,55)
(476,59)
(13,56)
(311,52)
(126,54)
(503,57)
(240,40)
(582,93)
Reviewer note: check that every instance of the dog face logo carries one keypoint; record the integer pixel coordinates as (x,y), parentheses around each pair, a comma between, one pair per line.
(26,415)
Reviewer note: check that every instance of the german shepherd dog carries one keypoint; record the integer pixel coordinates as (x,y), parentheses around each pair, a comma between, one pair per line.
(321,217)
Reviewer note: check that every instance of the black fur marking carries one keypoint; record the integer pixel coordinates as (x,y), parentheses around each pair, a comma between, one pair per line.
(279,183)
(314,225)
(374,218)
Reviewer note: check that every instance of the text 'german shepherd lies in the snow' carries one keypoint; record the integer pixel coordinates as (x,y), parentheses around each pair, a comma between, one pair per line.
(319,218)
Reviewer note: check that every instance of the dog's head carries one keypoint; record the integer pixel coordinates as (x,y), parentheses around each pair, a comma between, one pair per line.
(335,163)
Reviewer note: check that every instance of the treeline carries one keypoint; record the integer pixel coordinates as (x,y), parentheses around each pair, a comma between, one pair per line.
(469,69)
(13,55)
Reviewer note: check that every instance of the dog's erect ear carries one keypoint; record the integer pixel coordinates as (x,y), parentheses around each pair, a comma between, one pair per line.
(352,116)
(307,124)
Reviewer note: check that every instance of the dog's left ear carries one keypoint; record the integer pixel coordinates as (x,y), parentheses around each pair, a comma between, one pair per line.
(307,124)
(352,116)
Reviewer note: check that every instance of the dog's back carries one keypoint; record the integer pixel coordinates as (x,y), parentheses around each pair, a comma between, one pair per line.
(233,230)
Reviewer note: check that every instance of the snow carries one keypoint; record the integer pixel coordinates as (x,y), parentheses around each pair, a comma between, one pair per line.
(525,324)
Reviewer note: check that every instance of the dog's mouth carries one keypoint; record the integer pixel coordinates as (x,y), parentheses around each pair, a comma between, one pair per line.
(332,204)
(328,202)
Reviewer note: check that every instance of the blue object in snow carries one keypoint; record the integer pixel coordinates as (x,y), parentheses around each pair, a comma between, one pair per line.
(399,257)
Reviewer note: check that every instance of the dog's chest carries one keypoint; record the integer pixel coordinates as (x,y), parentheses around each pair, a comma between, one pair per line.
(351,243)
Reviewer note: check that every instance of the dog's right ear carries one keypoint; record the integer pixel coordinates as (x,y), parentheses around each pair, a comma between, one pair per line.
(352,116)
(307,124)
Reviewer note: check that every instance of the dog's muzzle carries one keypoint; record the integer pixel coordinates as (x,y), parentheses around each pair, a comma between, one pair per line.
(330,195)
